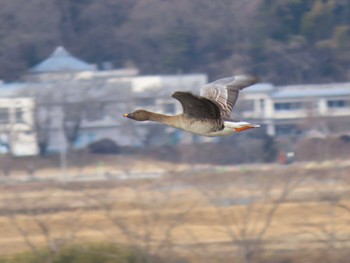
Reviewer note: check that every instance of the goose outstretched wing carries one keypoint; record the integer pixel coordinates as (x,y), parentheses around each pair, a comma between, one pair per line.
(224,92)
(196,106)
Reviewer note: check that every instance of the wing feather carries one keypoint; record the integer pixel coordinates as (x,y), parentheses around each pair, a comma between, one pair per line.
(197,107)
(224,92)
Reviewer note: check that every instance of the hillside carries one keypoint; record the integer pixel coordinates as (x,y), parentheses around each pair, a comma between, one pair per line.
(289,41)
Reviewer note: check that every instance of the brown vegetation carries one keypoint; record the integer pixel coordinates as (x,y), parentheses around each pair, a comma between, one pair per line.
(261,213)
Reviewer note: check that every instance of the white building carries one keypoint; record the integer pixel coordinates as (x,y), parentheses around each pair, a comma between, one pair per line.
(17,125)
(70,92)
(63,82)
(299,110)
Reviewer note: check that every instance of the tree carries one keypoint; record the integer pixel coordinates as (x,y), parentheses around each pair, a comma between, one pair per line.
(42,127)
(319,16)
(167,37)
(73,115)
(40,216)
(151,233)
(24,37)
(246,215)
(284,17)
(334,214)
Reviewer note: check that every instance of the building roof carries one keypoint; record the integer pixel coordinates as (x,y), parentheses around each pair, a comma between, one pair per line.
(62,61)
(307,91)
(260,88)
(11,89)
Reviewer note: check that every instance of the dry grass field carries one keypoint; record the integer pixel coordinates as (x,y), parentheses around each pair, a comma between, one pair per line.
(205,214)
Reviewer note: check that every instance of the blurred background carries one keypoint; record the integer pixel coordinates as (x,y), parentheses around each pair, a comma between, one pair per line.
(80,183)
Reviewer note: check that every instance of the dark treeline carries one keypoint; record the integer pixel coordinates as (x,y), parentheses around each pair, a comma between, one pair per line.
(284,41)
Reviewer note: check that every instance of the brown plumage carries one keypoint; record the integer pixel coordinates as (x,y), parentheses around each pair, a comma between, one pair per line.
(208,114)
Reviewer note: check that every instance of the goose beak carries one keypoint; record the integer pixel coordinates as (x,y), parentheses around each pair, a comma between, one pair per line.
(126,115)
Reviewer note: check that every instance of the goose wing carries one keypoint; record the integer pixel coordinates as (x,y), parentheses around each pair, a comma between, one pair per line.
(224,92)
(196,106)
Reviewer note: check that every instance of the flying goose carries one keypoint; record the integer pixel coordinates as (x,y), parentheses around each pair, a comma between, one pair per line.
(207,114)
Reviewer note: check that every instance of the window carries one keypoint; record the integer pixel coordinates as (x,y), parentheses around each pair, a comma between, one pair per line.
(262,105)
(19,115)
(4,115)
(287,106)
(336,104)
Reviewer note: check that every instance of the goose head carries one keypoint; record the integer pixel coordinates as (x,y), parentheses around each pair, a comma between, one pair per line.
(139,115)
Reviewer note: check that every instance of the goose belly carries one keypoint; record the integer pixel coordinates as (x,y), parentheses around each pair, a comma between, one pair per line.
(202,127)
